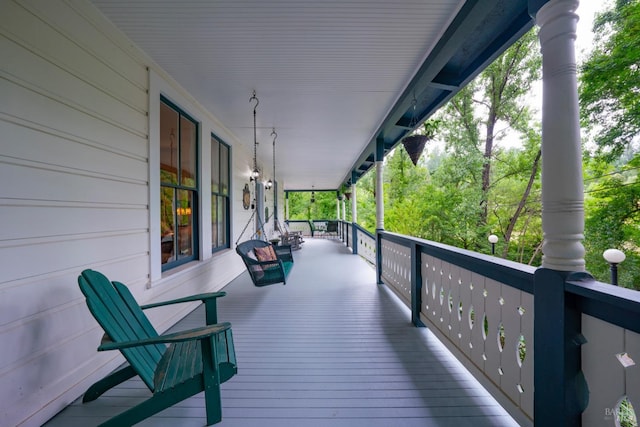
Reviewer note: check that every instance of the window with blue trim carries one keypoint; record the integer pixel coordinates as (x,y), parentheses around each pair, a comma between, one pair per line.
(178,185)
(220,161)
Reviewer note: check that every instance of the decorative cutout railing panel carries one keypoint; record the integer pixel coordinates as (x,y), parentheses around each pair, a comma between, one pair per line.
(482,308)
(611,366)
(396,268)
(302,226)
(366,246)
(489,322)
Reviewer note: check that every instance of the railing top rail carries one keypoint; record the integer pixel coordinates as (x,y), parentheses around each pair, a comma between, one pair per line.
(364,230)
(613,304)
(519,276)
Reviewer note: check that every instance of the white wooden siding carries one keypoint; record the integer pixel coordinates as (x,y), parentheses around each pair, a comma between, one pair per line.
(75,142)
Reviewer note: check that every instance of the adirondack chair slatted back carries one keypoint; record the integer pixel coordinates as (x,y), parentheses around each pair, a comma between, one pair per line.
(122,319)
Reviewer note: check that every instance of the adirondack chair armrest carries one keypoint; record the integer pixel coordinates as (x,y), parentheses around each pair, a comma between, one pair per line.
(190,298)
(209,300)
(188,335)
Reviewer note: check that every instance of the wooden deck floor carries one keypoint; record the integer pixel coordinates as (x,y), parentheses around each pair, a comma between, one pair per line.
(331,348)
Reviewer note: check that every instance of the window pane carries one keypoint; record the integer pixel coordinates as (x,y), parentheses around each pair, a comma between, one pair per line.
(223,221)
(168,144)
(188,137)
(214,221)
(215,165)
(224,170)
(184,214)
(219,222)
(167,223)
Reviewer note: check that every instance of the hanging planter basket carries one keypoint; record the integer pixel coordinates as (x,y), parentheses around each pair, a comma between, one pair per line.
(414,145)
(348,195)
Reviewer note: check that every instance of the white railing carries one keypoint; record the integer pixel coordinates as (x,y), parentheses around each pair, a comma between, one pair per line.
(396,268)
(301,226)
(366,246)
(604,328)
(611,367)
(487,324)
(490,323)
(482,308)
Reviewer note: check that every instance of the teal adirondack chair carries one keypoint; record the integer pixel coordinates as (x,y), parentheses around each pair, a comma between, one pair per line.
(196,360)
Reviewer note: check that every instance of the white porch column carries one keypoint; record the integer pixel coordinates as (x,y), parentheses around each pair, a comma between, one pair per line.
(562,186)
(354,204)
(379,157)
(286,207)
(344,208)
(379,196)
(337,207)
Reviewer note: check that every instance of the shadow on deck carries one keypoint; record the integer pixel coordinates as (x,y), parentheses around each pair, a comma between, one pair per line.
(331,348)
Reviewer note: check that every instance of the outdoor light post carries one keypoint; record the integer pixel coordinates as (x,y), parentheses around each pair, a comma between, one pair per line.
(614,257)
(493,239)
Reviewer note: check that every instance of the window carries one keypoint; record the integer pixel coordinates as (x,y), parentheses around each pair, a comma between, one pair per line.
(219,194)
(178,185)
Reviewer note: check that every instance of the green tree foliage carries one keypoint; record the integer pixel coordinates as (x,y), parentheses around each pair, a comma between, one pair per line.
(610,110)
(366,201)
(460,196)
(302,208)
(402,190)
(476,186)
(613,207)
(489,185)
(514,202)
(457,200)
(610,79)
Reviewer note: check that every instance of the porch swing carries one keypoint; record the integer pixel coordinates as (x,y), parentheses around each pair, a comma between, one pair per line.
(266,263)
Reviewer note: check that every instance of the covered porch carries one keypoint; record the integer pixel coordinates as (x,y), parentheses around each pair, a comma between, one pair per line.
(331,348)
(95,94)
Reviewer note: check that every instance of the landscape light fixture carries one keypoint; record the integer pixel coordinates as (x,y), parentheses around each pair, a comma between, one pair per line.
(493,239)
(614,257)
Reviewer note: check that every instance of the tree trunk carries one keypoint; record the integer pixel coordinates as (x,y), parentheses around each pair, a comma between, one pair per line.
(523,201)
(486,166)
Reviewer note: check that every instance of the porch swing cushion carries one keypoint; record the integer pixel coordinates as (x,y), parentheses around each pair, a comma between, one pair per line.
(269,271)
(255,269)
(265,254)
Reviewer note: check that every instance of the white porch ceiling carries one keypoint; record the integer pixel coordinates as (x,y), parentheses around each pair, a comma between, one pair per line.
(326,73)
